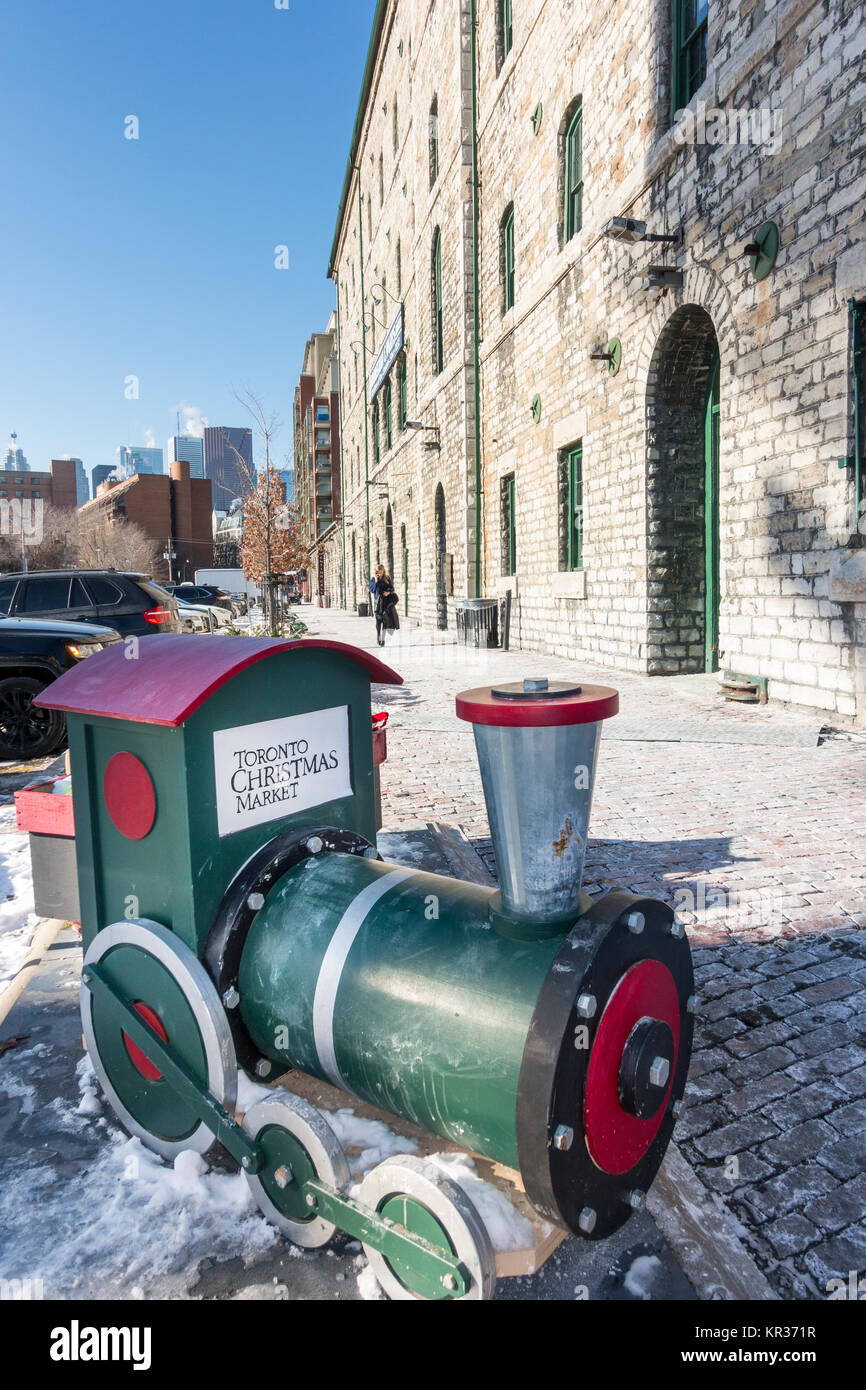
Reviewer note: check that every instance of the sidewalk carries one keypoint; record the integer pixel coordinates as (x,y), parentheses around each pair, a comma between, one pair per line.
(754,827)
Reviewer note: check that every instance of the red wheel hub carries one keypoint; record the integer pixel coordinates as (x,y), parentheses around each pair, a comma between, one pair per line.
(616,1139)
(136,1056)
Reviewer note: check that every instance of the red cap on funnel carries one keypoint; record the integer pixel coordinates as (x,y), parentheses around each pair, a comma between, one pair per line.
(537,704)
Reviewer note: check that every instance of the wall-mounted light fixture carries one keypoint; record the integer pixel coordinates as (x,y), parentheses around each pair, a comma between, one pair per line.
(629,229)
(377,298)
(661,278)
(429,429)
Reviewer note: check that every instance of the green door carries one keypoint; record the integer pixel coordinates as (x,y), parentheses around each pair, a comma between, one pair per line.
(711,520)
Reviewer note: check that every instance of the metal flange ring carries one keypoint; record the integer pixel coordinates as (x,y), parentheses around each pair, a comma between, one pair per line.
(414,1193)
(168,985)
(298,1145)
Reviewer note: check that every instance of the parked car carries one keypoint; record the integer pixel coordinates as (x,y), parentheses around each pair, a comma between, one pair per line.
(203,593)
(195,617)
(132,604)
(33,653)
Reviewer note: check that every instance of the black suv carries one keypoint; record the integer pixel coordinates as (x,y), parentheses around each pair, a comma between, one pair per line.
(32,655)
(131,604)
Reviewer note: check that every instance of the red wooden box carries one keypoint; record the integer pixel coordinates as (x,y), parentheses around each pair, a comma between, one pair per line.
(38,810)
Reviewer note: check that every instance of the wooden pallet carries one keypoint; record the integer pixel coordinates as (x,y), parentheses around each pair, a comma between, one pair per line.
(509,1263)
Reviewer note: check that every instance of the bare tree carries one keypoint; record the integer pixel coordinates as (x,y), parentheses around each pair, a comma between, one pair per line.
(271,544)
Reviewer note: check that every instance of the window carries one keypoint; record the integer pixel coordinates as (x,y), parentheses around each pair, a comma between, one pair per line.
(506,32)
(46,595)
(386,410)
(507,525)
(78,595)
(433,141)
(571,508)
(507,258)
(396,125)
(369,217)
(403,388)
(690,49)
(574,174)
(399,269)
(436,298)
(381,180)
(376,450)
(7,590)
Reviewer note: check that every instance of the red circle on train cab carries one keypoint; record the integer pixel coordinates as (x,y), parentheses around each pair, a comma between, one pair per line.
(129,794)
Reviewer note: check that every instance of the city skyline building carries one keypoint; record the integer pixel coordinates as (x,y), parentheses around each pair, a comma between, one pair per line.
(190,448)
(14,460)
(132,459)
(228,463)
(98,475)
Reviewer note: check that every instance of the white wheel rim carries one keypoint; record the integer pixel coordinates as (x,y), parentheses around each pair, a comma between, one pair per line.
(445,1199)
(305,1123)
(200,994)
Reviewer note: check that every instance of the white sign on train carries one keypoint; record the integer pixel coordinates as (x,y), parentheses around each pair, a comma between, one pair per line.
(269,770)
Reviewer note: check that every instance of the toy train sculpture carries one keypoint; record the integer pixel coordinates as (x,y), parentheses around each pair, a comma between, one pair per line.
(235,911)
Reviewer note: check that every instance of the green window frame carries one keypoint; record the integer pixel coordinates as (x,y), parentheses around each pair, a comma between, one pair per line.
(403,391)
(376,448)
(508,259)
(571,508)
(507,28)
(438,337)
(690,33)
(509,524)
(574,174)
(433,140)
(386,411)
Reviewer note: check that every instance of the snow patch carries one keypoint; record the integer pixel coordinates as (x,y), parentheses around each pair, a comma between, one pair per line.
(506,1227)
(639,1278)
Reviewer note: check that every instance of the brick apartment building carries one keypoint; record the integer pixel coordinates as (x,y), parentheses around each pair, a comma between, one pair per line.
(656,445)
(173,509)
(56,488)
(316,431)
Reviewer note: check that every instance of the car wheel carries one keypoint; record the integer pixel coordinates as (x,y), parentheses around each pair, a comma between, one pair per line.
(25,731)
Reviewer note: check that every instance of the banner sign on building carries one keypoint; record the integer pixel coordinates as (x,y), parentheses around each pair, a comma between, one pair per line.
(268,770)
(388,354)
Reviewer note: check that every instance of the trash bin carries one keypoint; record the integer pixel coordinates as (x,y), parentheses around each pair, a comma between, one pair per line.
(362,610)
(477,622)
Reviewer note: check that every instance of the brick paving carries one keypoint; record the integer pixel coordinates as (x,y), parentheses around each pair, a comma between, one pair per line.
(757,836)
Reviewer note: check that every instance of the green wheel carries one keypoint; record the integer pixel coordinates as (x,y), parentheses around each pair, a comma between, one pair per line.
(415,1194)
(298,1145)
(168,985)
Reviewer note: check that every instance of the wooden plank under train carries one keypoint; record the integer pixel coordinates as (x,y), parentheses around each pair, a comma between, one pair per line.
(510,1263)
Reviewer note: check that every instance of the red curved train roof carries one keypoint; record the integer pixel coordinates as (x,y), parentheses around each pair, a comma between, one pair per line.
(173,674)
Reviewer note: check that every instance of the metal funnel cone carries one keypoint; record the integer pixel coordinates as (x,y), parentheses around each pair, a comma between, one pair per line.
(537,744)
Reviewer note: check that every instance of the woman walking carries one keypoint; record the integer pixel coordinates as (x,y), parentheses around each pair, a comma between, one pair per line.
(387,619)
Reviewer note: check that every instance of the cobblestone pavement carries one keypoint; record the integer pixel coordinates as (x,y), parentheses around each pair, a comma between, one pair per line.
(753,825)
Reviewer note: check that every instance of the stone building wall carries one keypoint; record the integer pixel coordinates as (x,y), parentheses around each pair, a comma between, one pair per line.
(775,133)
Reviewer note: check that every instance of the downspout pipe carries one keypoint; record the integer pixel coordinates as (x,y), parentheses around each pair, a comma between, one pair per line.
(340,399)
(476,366)
(364,370)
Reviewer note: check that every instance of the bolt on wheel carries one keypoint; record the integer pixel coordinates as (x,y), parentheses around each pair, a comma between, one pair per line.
(416,1195)
(299,1146)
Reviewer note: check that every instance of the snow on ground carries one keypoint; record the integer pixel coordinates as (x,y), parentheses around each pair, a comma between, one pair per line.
(17,918)
(131,1225)
(639,1278)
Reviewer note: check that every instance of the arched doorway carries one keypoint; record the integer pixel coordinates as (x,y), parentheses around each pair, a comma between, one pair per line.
(439,559)
(682,496)
(354,574)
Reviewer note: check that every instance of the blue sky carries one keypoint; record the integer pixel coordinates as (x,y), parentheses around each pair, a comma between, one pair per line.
(154,257)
